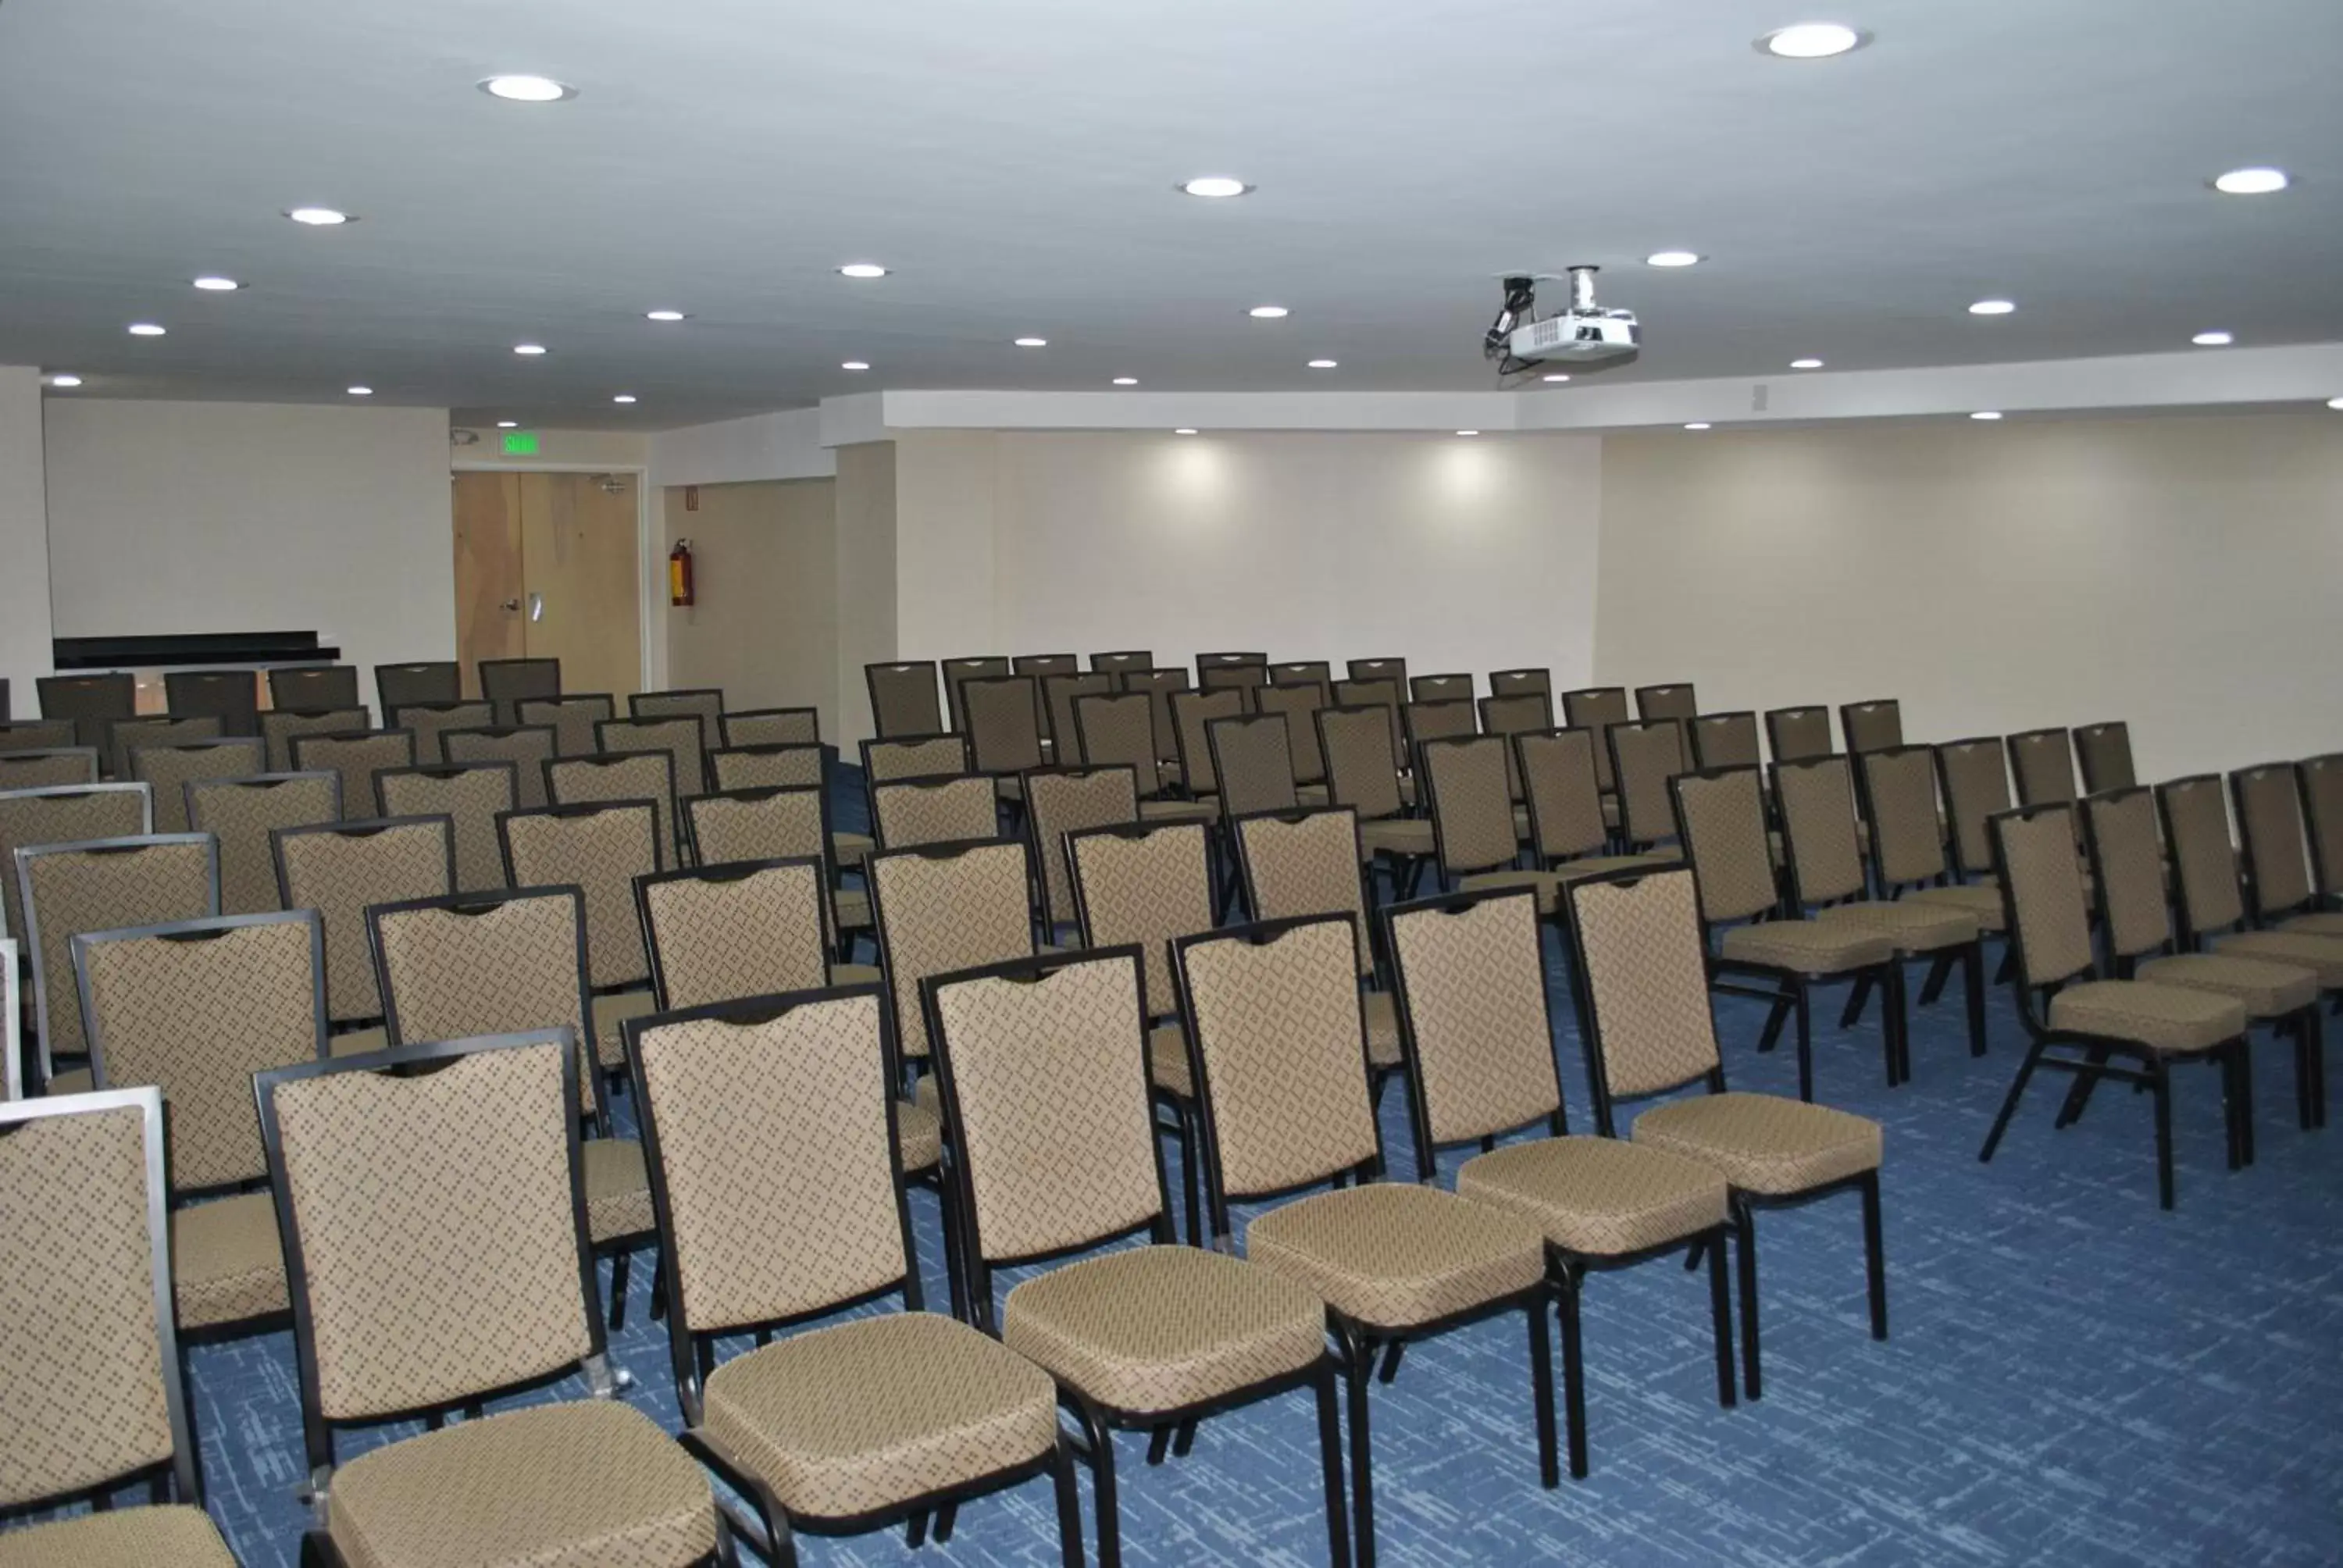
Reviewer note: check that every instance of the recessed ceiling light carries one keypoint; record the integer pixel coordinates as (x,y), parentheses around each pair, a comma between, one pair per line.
(2251,181)
(1269,313)
(1985,414)
(1806,364)
(1183,430)
(1216,186)
(1033,343)
(1993,308)
(663,316)
(855,365)
(623,397)
(2335,403)
(1322,364)
(144,329)
(507,424)
(67,379)
(527,89)
(1557,377)
(863,269)
(319,216)
(2213,340)
(1812,40)
(1468,432)
(361,391)
(529,349)
(1672,258)
(1126,380)
(1697,425)
(212,284)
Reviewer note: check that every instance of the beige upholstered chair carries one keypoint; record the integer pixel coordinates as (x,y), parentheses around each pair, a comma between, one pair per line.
(738,930)
(958,672)
(1478,833)
(314,686)
(2102,751)
(936,811)
(2281,896)
(53,768)
(90,701)
(599,847)
(2069,1010)
(703,703)
(780,824)
(429,681)
(2322,810)
(527,747)
(1392,670)
(1276,1045)
(607,776)
(168,769)
(1059,695)
(2043,762)
(1974,776)
(1870,726)
(679,736)
(95,1401)
(1525,683)
(125,735)
(1159,686)
(1192,712)
(465,1154)
(1440,688)
(1650,1031)
(1645,756)
(1360,774)
(1519,713)
(903,699)
(1480,1038)
(946,907)
(1118,731)
(1675,701)
(431,720)
(44,735)
(1308,863)
(1042,668)
(231,696)
(849,1427)
(1233,660)
(913,757)
(573,719)
(1317,672)
(1596,708)
(1384,695)
(1795,734)
(1570,817)
(1062,800)
(1253,763)
(1230,677)
(355,759)
(64,814)
(772,727)
(1300,703)
(1908,853)
(506,681)
(1724,740)
(1126,659)
(196,1008)
(471,796)
(1045,1055)
(794,765)
(244,814)
(280,725)
(1004,735)
(1423,722)
(341,870)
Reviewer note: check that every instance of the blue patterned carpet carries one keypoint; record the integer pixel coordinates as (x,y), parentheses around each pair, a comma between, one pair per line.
(2074,1377)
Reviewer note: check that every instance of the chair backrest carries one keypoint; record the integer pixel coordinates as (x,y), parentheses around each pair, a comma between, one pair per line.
(1129,659)
(1118,731)
(600,848)
(314,686)
(1516,713)
(102,885)
(92,1394)
(64,814)
(1062,800)
(1305,864)
(124,734)
(1563,791)
(505,681)
(2042,892)
(1720,823)
(1393,670)
(1524,683)
(342,868)
(2267,798)
(527,747)
(1871,725)
(998,713)
(196,1008)
(704,703)
(1384,696)
(1475,1021)
(1059,695)
(1159,686)
(1044,1067)
(1149,885)
(89,701)
(1820,847)
(1471,813)
(1724,740)
(1236,660)
(44,735)
(1277,1044)
(52,768)
(2127,866)
(2322,809)
(279,726)
(1899,788)
(1428,721)
(1440,688)
(2044,763)
(903,699)
(1231,676)
(946,907)
(355,759)
(1597,708)
(1671,701)
(431,721)
(1315,672)
(243,814)
(772,727)
(913,757)
(1192,710)
(620,776)
(678,737)
(765,824)
(771,765)
(752,928)
(2104,753)
(958,672)
(1360,772)
(1795,734)
(1253,763)
(1042,668)
(437,681)
(1975,778)
(940,811)
(473,1168)
(471,796)
(1645,756)
(573,718)
(1636,937)
(232,696)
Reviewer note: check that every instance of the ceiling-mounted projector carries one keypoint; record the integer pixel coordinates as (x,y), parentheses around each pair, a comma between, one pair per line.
(1583,336)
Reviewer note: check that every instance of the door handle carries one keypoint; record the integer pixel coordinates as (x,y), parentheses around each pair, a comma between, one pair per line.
(510,604)
(536,607)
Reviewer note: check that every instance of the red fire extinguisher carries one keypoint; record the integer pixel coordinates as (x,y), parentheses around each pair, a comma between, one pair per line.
(678,574)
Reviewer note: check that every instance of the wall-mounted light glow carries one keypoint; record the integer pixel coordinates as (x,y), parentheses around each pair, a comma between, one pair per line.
(1033,343)
(856,365)
(1322,365)
(507,424)
(1557,377)
(211,282)
(1806,364)
(1468,432)
(1812,41)
(663,316)
(623,397)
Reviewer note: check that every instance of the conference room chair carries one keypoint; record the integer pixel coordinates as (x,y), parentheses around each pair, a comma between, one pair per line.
(527,747)
(1724,740)
(644,775)
(471,796)
(1871,725)
(280,725)
(1525,683)
(1004,739)
(1651,1031)
(574,717)
(1595,708)
(301,686)
(64,814)
(1231,660)
(1192,712)
(1069,800)
(903,699)
(1361,775)
(423,682)
(1059,695)
(1753,949)
(85,1217)
(908,812)
(742,928)
(1299,705)
(244,814)
(2322,812)
(1477,841)
(42,734)
(785,765)
(1440,688)
(430,722)
(779,823)
(231,696)
(1570,817)
(1154,1338)
(55,767)
(2134,911)
(1908,854)
(1275,1039)
(678,737)
(2043,763)
(460,1152)
(511,962)
(1974,777)
(771,727)
(1042,669)
(914,757)
(196,1008)
(1519,713)
(355,758)
(855,1425)
(1230,677)
(124,734)
(957,672)
(1384,694)
(1118,731)
(1393,670)
(1675,701)
(705,703)
(1797,734)
(342,869)
(1126,659)
(1471,971)
(598,847)
(1423,722)
(68,889)
(1307,862)
(1644,755)
(1159,686)
(943,908)
(2102,751)
(90,701)
(1315,672)
(2077,1021)
(1253,763)
(506,681)
(2267,800)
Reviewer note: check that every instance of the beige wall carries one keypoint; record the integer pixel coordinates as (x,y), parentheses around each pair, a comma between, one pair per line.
(25,650)
(764,567)
(618,449)
(865,581)
(2179,573)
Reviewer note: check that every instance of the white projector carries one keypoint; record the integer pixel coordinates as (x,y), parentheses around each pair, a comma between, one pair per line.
(1583,336)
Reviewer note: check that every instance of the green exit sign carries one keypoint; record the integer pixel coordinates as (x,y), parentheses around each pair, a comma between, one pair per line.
(521,443)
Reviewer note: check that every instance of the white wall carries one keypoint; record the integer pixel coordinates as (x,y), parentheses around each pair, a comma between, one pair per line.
(864,503)
(24,651)
(764,623)
(783,445)
(2177,573)
(242,517)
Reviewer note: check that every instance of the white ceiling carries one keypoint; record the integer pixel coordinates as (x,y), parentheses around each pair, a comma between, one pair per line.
(1014,160)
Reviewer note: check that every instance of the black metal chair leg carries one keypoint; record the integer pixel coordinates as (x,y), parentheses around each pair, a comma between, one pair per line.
(659,1287)
(1855,1000)
(946,1517)
(1188,1182)
(1103,1489)
(2009,1104)
(1069,1508)
(2315,1053)
(1744,1249)
(1973,978)
(1159,1443)
(1939,971)
(1778,1014)
(2009,970)
(1358,1371)
(915,1533)
(2161,1083)
(1184,1438)
(1330,1456)
(1892,1016)
(1720,1309)
(1392,1354)
(2244,1052)
(1574,1371)
(1542,1399)
(1875,1257)
(1804,1007)
(2078,1094)
(619,1290)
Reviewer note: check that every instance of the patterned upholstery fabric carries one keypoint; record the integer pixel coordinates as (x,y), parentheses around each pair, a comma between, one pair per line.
(1150,888)
(39,735)
(58,769)
(2264,990)
(1384,694)
(1675,701)
(91,701)
(67,817)
(279,726)
(1981,904)
(1913,928)
(1118,731)
(758,824)
(584,1485)
(2104,751)
(1644,757)
(1306,866)
(1901,786)
(1646,983)
(338,874)
(1762,1143)
(314,686)
(723,939)
(644,775)
(167,770)
(915,812)
(2129,857)
(931,756)
(1397,836)
(1470,803)
(602,854)
(2044,762)
(171,1536)
(2269,816)
(1976,788)
(355,759)
(771,727)
(1816,800)
(1299,706)
(471,799)
(1724,833)
(767,767)
(2046,886)
(1252,764)
(1807,947)
(2162,1017)
(1517,682)
(1191,711)
(1560,781)
(1426,720)
(1282,1043)
(527,748)
(506,681)
(938,915)
(1726,740)
(1060,803)
(1871,726)
(1798,733)
(679,738)
(125,735)
(2204,861)
(227,1263)
(2323,954)
(434,680)
(1004,730)
(1599,1197)
(1475,983)
(1159,686)
(1059,695)
(1595,709)
(1395,1255)
(957,673)
(903,699)
(428,721)
(706,704)
(242,814)
(851,1419)
(607,1014)
(1356,741)
(69,891)
(2322,806)
(81,1388)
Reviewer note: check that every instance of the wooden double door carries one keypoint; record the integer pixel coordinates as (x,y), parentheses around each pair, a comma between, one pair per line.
(546,568)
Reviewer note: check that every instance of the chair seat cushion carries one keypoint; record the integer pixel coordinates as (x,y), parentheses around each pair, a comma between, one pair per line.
(2264,990)
(1807,947)
(1547,885)
(618,1189)
(850,907)
(71,1080)
(1395,1255)
(227,1262)
(1312,796)
(871,1414)
(1603,864)
(1600,1197)
(1397,836)
(1167,1061)
(1382,1027)
(851,848)
(358,1041)
(1983,904)
(1155,1328)
(2160,1017)
(165,1537)
(921,1132)
(2329,924)
(1179,811)
(855,974)
(1912,928)
(2324,954)
(1762,1143)
(609,1012)
(578,1485)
